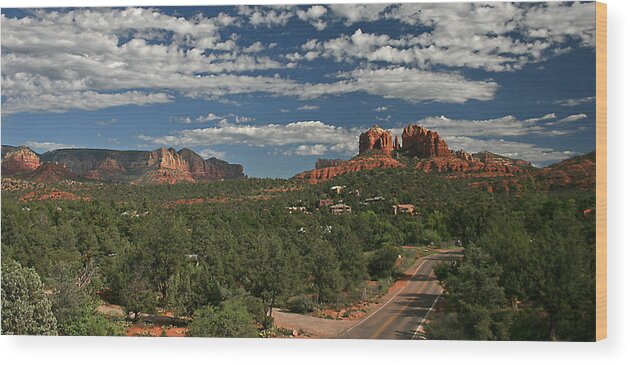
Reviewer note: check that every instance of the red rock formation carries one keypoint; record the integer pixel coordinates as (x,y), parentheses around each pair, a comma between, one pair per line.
(420,142)
(577,171)
(361,162)
(159,166)
(376,139)
(18,160)
(322,163)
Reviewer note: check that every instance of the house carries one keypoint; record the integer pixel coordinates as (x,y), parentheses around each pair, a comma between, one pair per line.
(374,199)
(340,209)
(325,203)
(292,209)
(337,189)
(403,209)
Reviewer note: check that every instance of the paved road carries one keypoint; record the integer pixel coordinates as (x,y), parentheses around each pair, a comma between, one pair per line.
(402,313)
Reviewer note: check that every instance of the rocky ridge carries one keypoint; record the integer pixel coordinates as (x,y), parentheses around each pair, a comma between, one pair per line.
(163,165)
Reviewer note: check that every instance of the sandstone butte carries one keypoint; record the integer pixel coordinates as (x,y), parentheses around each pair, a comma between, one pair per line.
(163,165)
(430,153)
(376,139)
(17,160)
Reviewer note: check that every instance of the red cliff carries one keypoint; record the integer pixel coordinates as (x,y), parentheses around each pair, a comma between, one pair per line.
(420,142)
(18,160)
(361,162)
(376,139)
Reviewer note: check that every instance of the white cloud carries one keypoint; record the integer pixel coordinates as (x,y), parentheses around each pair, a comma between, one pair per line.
(489,36)
(352,13)
(85,100)
(259,16)
(539,119)
(380,109)
(103,123)
(537,155)
(47,146)
(206,153)
(312,15)
(575,102)
(506,126)
(200,119)
(338,139)
(308,107)
(309,150)
(570,118)
(239,119)
(416,86)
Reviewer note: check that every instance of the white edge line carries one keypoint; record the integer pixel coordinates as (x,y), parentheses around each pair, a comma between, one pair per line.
(390,299)
(426,315)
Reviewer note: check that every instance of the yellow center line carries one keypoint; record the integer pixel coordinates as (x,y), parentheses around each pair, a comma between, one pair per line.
(395,316)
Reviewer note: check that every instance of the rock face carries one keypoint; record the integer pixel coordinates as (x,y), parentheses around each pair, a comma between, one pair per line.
(360,162)
(376,139)
(18,160)
(420,142)
(163,165)
(322,163)
(225,170)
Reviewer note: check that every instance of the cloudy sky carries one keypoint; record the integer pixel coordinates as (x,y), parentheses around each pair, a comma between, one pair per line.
(275,88)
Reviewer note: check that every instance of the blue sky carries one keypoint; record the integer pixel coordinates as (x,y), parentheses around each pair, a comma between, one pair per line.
(275,88)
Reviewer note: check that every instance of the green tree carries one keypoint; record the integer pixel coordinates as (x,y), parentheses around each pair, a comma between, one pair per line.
(232,319)
(327,279)
(26,309)
(382,263)
(271,269)
(477,297)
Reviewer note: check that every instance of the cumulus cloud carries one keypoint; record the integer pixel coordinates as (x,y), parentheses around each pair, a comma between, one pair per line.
(490,36)
(208,152)
(338,139)
(380,109)
(309,150)
(47,146)
(352,13)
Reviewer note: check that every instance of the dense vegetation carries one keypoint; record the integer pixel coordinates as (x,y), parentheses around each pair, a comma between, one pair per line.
(228,259)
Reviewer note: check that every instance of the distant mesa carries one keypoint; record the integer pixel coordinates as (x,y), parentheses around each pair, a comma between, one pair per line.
(160,166)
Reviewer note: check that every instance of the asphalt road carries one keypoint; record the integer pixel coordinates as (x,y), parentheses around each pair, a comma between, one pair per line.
(401,314)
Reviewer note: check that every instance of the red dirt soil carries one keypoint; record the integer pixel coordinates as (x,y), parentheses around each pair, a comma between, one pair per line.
(155,331)
(53,195)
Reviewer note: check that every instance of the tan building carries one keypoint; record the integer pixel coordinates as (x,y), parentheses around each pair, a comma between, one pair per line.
(340,209)
(325,203)
(403,209)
